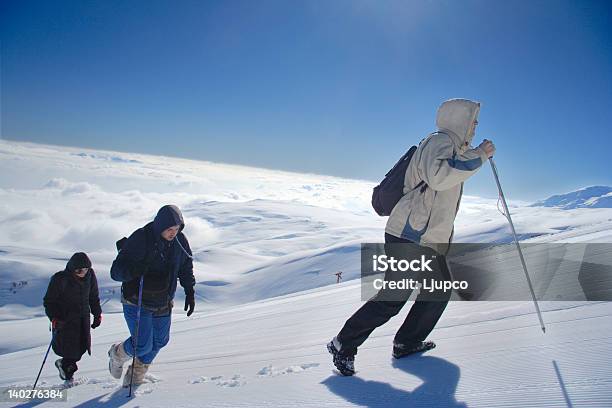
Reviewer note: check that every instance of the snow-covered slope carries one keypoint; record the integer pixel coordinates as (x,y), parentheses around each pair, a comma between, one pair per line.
(272,353)
(588,197)
(267,245)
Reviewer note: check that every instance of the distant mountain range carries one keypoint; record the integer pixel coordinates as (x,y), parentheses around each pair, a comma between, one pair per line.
(588,197)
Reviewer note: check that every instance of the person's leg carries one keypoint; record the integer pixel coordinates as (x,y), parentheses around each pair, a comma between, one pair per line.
(361,324)
(145,330)
(382,307)
(421,320)
(161,336)
(424,314)
(160,333)
(69,366)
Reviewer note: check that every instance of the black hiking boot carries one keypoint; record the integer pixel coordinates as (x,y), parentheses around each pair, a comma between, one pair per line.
(401,350)
(66,372)
(345,363)
(62,373)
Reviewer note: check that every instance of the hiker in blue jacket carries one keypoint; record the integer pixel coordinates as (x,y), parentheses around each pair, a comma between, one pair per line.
(160,253)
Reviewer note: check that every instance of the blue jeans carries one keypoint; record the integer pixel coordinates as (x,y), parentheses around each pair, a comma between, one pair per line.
(153,333)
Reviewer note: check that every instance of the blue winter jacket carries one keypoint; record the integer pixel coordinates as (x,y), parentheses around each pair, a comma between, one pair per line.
(163,262)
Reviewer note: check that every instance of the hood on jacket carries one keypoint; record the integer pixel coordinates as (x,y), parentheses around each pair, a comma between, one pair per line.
(456,118)
(79,260)
(167,216)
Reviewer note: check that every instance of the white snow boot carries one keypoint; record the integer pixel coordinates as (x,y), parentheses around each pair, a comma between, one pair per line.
(116,358)
(140,369)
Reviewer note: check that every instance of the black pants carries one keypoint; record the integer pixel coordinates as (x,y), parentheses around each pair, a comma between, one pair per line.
(422,318)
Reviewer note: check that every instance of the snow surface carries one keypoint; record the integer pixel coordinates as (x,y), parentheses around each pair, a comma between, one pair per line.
(267,245)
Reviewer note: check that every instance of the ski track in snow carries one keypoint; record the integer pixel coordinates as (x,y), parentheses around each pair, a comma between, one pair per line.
(234,381)
(268,371)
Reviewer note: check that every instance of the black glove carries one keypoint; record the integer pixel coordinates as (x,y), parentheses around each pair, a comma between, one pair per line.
(96,322)
(189,302)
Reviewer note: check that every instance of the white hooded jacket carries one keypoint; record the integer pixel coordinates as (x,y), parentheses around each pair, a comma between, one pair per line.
(433,184)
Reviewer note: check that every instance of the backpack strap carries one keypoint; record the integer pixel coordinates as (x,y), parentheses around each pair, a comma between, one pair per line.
(422,184)
(425,140)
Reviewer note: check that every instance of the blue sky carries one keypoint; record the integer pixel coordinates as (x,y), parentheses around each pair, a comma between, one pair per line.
(329,87)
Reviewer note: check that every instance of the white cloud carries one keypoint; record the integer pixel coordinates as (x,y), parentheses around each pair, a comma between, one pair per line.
(56,201)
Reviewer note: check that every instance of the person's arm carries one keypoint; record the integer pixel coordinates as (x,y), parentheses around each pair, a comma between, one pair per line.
(185,274)
(129,263)
(94,296)
(441,169)
(52,300)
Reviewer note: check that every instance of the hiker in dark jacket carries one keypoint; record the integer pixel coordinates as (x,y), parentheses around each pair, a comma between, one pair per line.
(158,252)
(71,296)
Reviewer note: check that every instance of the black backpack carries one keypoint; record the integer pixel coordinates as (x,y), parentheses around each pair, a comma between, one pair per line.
(388,193)
(148,242)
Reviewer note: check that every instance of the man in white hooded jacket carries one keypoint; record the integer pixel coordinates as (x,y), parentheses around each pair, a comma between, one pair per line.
(424,216)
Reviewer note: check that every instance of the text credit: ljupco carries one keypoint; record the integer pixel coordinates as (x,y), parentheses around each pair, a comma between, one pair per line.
(383,263)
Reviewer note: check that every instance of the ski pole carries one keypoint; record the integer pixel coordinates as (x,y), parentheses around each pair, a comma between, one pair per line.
(135,343)
(45,359)
(518,246)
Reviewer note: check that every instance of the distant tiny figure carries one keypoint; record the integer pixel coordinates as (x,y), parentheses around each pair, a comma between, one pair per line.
(71,297)
(338,276)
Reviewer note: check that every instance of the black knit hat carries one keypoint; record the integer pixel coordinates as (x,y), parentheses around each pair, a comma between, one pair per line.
(78,261)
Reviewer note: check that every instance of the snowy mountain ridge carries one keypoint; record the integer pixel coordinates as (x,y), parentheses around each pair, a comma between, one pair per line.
(587,197)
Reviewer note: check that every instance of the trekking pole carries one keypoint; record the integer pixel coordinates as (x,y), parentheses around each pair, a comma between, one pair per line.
(45,359)
(518,246)
(135,343)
